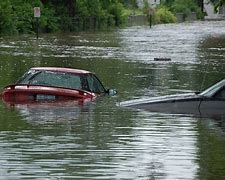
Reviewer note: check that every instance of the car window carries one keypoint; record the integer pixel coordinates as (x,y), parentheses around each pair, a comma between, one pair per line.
(210,92)
(27,76)
(95,85)
(220,94)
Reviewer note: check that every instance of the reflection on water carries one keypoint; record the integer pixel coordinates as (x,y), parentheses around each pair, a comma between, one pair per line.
(99,140)
(52,112)
(131,145)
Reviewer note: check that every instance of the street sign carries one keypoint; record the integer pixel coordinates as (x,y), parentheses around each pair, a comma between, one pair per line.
(37,12)
(151,11)
(37,15)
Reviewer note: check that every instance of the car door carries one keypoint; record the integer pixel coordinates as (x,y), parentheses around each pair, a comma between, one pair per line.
(214,105)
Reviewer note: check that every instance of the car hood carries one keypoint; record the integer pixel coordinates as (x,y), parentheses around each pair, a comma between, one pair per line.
(160,99)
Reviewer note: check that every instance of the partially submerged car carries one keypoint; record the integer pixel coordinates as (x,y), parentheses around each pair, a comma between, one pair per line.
(209,102)
(54,83)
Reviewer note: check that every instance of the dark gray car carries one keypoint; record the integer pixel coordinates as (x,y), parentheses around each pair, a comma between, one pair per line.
(209,102)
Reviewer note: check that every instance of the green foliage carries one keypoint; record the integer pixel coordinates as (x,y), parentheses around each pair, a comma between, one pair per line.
(6,18)
(17,16)
(218,4)
(48,21)
(184,6)
(82,8)
(163,15)
(115,11)
(23,17)
(168,3)
(221,2)
(146,7)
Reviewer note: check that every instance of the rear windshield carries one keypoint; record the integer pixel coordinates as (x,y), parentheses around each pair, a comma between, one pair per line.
(87,82)
(49,78)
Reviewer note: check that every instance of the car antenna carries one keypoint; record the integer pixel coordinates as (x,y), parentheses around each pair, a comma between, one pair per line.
(204,77)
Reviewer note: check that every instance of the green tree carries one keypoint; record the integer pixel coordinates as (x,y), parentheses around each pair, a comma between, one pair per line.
(64,15)
(183,4)
(82,8)
(164,15)
(186,7)
(23,14)
(95,8)
(218,4)
(115,10)
(168,3)
(7,25)
(146,7)
(201,4)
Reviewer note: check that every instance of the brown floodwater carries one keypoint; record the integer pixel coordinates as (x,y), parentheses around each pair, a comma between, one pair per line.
(99,140)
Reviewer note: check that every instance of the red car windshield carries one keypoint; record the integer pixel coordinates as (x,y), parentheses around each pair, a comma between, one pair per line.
(86,82)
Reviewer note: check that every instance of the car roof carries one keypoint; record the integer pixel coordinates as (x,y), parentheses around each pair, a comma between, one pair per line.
(60,69)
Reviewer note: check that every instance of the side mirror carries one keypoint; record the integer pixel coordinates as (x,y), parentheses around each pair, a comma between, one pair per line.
(112,92)
(197,92)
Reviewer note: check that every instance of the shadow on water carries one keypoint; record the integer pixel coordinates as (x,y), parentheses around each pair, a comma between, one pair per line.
(99,139)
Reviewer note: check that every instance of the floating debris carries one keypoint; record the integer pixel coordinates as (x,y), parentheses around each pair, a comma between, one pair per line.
(162,59)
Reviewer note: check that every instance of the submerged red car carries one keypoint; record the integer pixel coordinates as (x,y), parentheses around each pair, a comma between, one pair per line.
(54,83)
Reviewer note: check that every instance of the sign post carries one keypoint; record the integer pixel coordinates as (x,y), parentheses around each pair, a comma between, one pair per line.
(37,15)
(150,12)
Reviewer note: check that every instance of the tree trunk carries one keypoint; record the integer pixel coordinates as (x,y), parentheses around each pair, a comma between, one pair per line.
(71,4)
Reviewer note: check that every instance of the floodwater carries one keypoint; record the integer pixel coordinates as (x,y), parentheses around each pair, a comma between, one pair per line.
(99,140)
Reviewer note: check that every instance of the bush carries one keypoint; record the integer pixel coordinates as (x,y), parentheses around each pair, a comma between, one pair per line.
(116,11)
(48,21)
(7,25)
(24,18)
(17,16)
(186,7)
(163,15)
